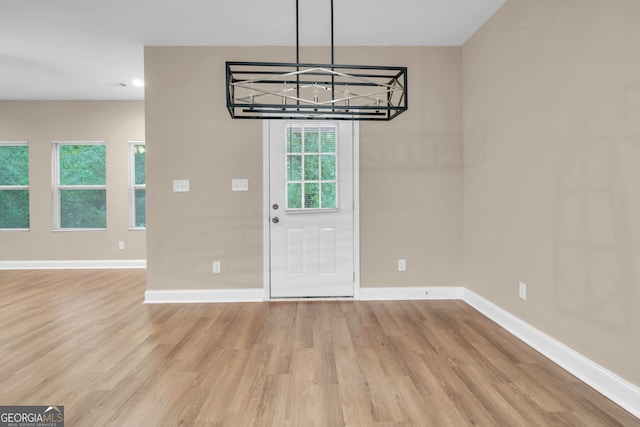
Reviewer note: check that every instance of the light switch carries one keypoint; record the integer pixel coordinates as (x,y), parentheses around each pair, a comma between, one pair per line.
(180,185)
(239,185)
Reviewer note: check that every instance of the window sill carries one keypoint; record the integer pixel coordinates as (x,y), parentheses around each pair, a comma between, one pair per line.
(56,230)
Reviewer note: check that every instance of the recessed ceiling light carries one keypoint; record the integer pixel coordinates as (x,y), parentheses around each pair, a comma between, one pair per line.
(137,83)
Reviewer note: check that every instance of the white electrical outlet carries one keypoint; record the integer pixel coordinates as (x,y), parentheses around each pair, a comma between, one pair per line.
(402,265)
(522,291)
(216,267)
(121,244)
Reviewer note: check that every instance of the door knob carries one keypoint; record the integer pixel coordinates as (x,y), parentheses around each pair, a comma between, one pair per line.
(275,220)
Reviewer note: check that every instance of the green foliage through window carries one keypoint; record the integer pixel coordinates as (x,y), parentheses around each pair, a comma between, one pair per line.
(83,165)
(140,164)
(311,167)
(14,165)
(141,208)
(138,201)
(81,186)
(83,209)
(14,186)
(14,209)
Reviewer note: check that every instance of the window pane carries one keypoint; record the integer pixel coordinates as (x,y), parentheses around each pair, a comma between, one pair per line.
(83,209)
(328,194)
(311,168)
(14,165)
(294,196)
(328,140)
(14,209)
(294,168)
(140,160)
(141,210)
(294,140)
(311,196)
(328,167)
(311,140)
(83,165)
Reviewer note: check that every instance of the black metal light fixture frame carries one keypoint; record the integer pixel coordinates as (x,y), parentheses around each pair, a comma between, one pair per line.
(276,90)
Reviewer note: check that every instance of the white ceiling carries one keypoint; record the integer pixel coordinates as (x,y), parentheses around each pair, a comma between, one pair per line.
(84,49)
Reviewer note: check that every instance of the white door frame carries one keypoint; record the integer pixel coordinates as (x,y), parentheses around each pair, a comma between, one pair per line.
(266,209)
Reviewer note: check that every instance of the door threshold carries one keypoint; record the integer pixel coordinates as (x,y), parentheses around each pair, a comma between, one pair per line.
(298,299)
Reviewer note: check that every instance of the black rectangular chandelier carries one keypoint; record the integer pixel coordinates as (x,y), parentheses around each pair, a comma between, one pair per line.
(275,90)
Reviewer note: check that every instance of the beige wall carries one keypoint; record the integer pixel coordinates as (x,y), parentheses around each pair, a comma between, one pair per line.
(40,123)
(551,155)
(411,178)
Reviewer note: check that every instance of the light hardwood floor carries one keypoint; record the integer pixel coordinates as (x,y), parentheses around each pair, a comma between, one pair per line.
(85,340)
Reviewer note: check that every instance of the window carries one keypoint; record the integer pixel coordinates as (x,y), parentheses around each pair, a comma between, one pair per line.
(14,185)
(137,185)
(311,167)
(79,185)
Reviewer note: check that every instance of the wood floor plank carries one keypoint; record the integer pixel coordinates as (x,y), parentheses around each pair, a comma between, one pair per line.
(84,339)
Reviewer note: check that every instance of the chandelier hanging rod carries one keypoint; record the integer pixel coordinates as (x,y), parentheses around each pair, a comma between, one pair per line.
(298,37)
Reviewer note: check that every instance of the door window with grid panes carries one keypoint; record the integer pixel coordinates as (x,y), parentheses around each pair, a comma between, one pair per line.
(312,160)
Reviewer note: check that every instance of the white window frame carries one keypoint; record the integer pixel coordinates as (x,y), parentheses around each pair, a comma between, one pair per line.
(133,186)
(56,187)
(17,187)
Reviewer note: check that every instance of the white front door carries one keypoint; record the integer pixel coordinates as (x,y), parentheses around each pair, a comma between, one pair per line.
(311,208)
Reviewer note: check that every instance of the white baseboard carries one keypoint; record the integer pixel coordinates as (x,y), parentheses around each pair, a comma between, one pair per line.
(257,294)
(78,264)
(411,293)
(203,296)
(604,381)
